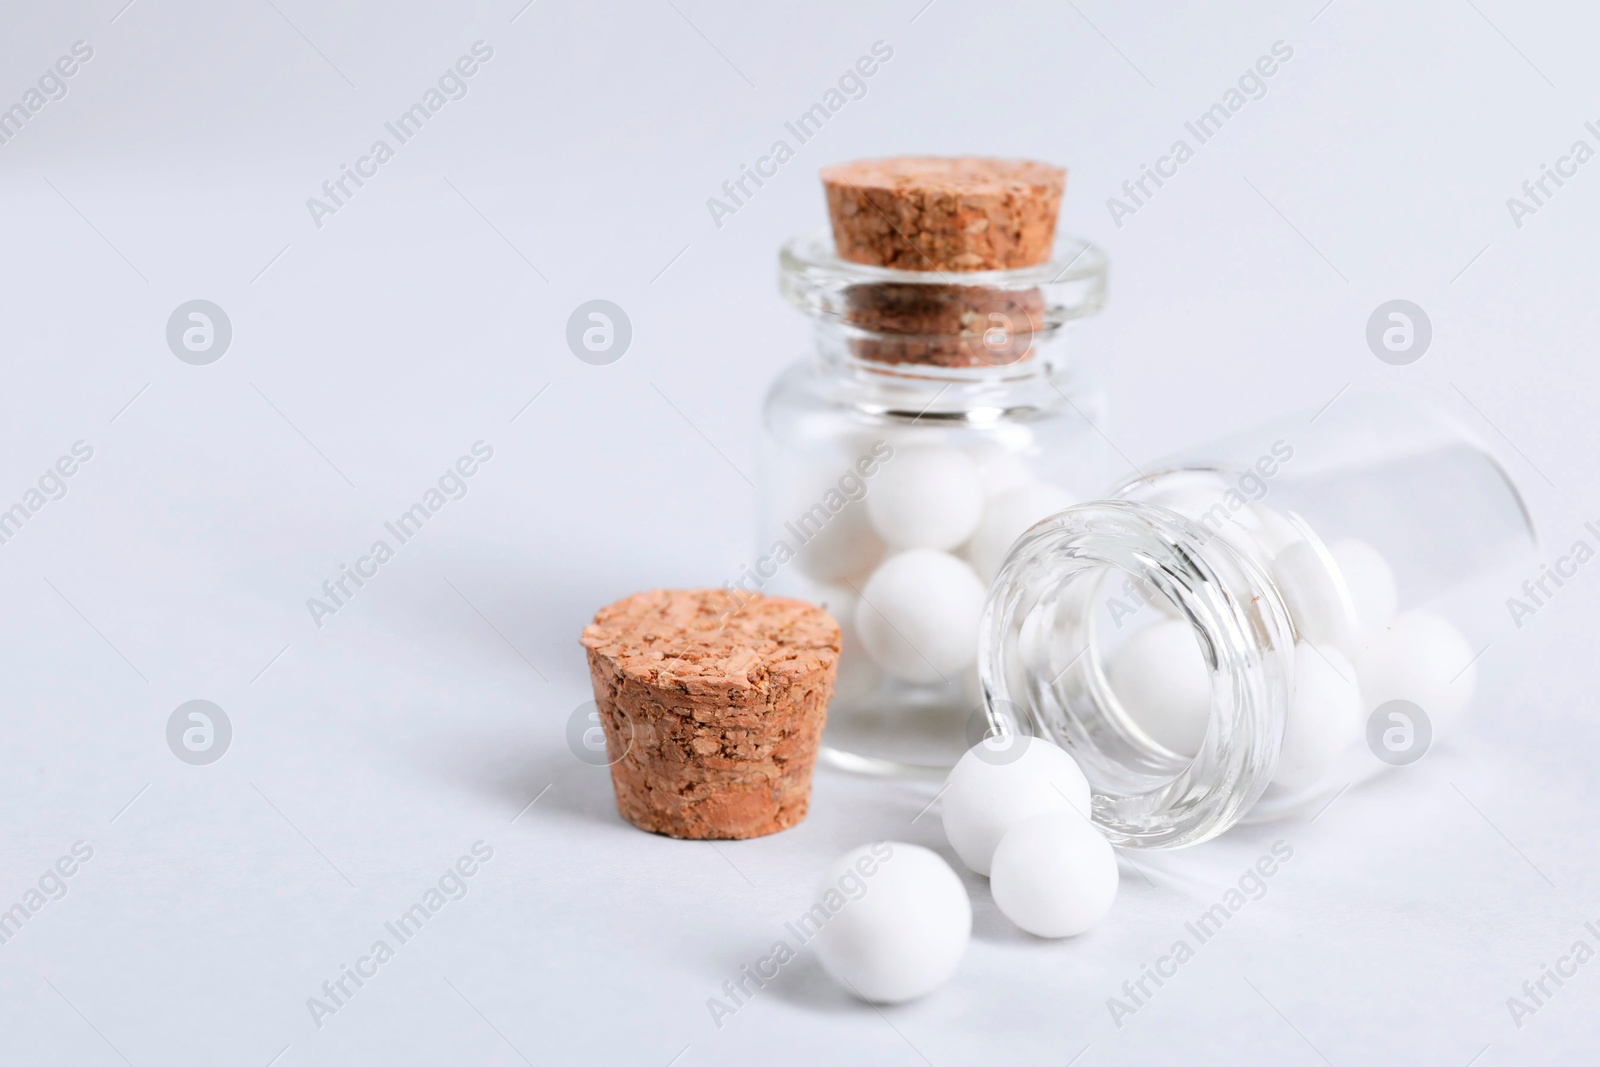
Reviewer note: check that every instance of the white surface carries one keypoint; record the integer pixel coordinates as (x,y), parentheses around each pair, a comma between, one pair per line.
(410,725)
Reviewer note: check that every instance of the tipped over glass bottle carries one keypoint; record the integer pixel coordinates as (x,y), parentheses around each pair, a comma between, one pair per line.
(1255,624)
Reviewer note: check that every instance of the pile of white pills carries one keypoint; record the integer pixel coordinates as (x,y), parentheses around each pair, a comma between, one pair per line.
(943,519)
(1015,809)
(1355,651)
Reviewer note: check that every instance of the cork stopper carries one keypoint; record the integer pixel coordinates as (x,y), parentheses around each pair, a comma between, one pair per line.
(952,215)
(712,707)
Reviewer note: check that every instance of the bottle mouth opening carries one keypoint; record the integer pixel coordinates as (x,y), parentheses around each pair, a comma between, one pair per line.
(939,319)
(1070,590)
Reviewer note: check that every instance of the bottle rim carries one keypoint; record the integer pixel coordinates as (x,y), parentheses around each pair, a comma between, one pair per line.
(814,279)
(1041,674)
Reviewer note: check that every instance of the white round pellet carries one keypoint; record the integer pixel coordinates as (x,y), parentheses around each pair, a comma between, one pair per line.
(845,546)
(995,786)
(1161,679)
(919,614)
(1318,603)
(926,497)
(1001,471)
(1054,875)
(837,600)
(1275,531)
(1421,658)
(1325,717)
(858,675)
(901,924)
(1223,513)
(1006,518)
(1371,583)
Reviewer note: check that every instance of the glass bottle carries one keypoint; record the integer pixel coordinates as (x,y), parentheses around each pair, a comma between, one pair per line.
(938,416)
(1257,623)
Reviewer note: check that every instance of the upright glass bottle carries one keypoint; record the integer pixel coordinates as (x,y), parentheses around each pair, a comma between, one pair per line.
(936,419)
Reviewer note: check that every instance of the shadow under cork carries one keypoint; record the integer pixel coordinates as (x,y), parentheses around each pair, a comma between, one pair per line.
(522,775)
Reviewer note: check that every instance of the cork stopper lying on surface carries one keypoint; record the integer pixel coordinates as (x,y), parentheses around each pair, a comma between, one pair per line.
(954,215)
(712,707)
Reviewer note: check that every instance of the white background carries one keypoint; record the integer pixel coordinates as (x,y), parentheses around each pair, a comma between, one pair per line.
(371,352)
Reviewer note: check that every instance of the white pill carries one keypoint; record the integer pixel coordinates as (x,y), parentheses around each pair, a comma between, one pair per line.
(837,600)
(1160,677)
(919,614)
(1001,471)
(1325,717)
(1319,604)
(1371,583)
(1001,782)
(1421,658)
(896,920)
(1275,532)
(1209,500)
(926,497)
(858,676)
(1054,875)
(833,547)
(1006,518)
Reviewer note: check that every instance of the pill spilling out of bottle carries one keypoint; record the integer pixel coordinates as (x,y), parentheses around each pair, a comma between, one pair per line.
(1015,809)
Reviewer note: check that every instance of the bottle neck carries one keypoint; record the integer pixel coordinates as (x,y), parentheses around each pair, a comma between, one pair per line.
(948,328)
(1042,663)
